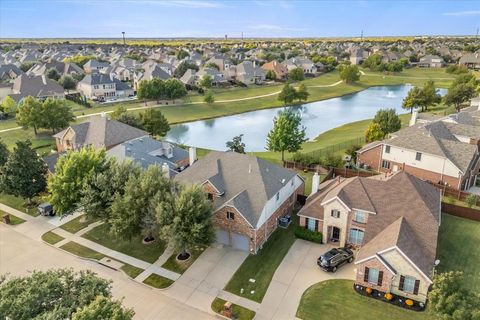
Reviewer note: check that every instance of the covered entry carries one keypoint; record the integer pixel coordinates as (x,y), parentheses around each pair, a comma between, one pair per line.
(235,240)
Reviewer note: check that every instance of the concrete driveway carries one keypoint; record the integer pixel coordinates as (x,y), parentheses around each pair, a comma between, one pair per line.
(297,272)
(20,254)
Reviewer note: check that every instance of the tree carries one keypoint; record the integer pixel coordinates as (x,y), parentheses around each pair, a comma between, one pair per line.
(4,153)
(175,89)
(56,114)
(206,81)
(430,94)
(287,95)
(236,144)
(67,82)
(413,99)
(270,75)
(349,73)
(9,105)
(374,132)
(144,91)
(209,97)
(296,74)
(79,59)
(186,219)
(388,120)
(471,200)
(183,67)
(287,133)
(157,89)
(29,114)
(211,65)
(71,173)
(302,93)
(182,54)
(121,114)
(103,308)
(53,74)
(52,294)
(154,122)
(23,175)
(26,66)
(459,94)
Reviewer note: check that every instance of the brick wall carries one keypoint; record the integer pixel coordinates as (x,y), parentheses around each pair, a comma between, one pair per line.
(371,157)
(376,264)
(303,222)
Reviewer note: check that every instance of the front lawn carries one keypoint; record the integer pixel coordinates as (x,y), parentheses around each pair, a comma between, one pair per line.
(336,299)
(238,312)
(134,247)
(14,220)
(77,224)
(17,203)
(158,281)
(131,271)
(82,251)
(51,237)
(174,265)
(458,249)
(262,266)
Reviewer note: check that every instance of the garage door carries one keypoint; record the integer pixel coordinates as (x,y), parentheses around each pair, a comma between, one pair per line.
(223,237)
(240,242)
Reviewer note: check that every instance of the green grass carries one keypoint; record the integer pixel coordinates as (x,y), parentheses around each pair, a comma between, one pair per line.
(180,267)
(134,247)
(262,266)
(81,251)
(336,299)
(158,281)
(17,203)
(14,220)
(238,312)
(131,271)
(77,224)
(458,249)
(52,238)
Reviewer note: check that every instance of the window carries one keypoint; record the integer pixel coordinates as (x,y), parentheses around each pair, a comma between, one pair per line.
(359,217)
(408,284)
(230,215)
(418,156)
(335,213)
(373,276)
(210,196)
(356,236)
(292,182)
(312,225)
(385,164)
(387,149)
(277,196)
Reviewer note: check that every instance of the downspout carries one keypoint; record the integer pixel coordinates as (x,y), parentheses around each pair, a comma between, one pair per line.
(255,242)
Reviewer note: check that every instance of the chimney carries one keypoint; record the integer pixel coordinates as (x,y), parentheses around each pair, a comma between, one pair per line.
(249,168)
(413,119)
(166,170)
(192,153)
(44,80)
(315,183)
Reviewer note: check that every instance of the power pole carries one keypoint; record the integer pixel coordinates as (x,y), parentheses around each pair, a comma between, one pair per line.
(242,35)
(476,37)
(123,34)
(361,36)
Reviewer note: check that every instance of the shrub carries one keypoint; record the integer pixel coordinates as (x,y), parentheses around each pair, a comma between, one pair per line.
(305,234)
(471,200)
(409,302)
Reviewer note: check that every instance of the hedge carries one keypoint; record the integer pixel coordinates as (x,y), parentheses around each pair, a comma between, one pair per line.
(302,233)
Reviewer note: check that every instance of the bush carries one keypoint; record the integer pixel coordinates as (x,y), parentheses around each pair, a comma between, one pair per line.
(471,200)
(456,69)
(302,233)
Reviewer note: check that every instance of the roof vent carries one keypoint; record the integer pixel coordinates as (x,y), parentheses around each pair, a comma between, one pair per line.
(283,181)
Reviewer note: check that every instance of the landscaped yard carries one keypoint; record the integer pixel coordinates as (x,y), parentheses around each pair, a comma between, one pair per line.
(133,247)
(174,265)
(158,281)
(131,271)
(51,237)
(82,251)
(336,299)
(77,224)
(238,312)
(17,203)
(262,266)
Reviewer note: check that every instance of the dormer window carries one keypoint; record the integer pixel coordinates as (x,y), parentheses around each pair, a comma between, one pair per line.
(418,156)
(387,149)
(335,213)
(230,215)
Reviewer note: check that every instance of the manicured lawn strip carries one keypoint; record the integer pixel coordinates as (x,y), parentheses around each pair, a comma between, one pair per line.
(133,247)
(239,312)
(336,299)
(77,224)
(157,281)
(458,249)
(51,237)
(180,267)
(16,203)
(262,266)
(81,251)
(14,220)
(131,271)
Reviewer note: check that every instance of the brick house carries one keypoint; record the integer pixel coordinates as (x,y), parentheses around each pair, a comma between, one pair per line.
(248,194)
(393,221)
(280,70)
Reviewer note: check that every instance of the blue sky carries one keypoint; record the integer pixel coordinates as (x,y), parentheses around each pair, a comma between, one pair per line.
(206,18)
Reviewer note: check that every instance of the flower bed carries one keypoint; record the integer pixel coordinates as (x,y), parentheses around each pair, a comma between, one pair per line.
(389,298)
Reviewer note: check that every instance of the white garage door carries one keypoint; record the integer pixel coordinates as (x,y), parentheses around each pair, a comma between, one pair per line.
(223,237)
(240,242)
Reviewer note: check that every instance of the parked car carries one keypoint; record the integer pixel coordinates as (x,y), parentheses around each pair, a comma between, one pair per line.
(46,209)
(333,259)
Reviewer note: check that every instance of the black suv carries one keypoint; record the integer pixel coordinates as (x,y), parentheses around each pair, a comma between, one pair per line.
(331,260)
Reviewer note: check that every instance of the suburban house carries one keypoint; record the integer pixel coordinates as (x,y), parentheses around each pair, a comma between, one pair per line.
(101,86)
(396,235)
(99,132)
(280,70)
(442,151)
(39,87)
(431,61)
(93,66)
(305,64)
(146,151)
(9,72)
(249,195)
(470,60)
(152,70)
(63,68)
(249,72)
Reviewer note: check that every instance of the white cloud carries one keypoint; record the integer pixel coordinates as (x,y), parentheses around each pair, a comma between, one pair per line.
(463,13)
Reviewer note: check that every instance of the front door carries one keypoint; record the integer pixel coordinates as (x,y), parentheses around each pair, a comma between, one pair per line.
(335,234)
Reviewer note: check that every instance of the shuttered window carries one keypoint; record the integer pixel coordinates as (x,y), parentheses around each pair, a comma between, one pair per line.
(312,223)
(408,284)
(355,236)
(373,276)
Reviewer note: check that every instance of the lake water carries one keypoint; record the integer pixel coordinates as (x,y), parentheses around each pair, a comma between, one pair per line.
(317,117)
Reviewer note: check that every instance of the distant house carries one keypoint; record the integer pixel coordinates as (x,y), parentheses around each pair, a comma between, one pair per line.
(39,87)
(357,56)
(99,132)
(9,72)
(249,195)
(305,64)
(95,66)
(249,72)
(471,61)
(280,70)
(63,68)
(431,61)
(396,235)
(221,62)
(151,71)
(103,87)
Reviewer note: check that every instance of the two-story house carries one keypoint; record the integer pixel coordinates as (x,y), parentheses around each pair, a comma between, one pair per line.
(249,195)
(102,87)
(393,221)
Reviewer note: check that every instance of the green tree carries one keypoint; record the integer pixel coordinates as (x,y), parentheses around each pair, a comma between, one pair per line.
(471,200)
(374,132)
(183,67)
(209,97)
(29,114)
(103,308)
(26,66)
(175,89)
(302,93)
(186,219)
(349,73)
(53,74)
(56,114)
(236,144)
(459,94)
(157,89)
(287,133)
(52,294)
(388,120)
(121,114)
(287,95)
(182,54)
(296,74)
(71,173)
(9,105)
(144,91)
(430,94)
(373,62)
(67,82)
(154,122)
(206,81)
(413,99)
(24,173)
(211,65)
(79,59)
(4,153)
(270,75)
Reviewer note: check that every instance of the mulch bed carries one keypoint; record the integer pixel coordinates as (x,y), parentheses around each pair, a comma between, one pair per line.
(396,300)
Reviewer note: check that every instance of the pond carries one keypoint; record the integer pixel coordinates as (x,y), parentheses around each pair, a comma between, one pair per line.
(317,117)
